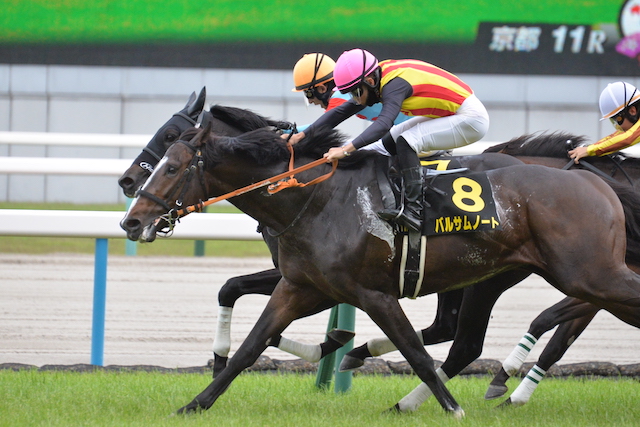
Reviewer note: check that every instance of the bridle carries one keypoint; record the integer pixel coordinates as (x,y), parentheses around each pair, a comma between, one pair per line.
(196,166)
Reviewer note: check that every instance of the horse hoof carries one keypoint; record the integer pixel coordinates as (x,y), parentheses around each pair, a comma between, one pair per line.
(458,414)
(349,363)
(341,336)
(495,391)
(506,404)
(395,409)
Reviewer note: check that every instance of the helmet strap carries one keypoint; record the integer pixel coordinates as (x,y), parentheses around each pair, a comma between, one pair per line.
(374,88)
(326,96)
(625,113)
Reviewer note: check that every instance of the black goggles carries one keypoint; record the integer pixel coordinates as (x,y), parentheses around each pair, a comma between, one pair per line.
(618,118)
(310,93)
(357,92)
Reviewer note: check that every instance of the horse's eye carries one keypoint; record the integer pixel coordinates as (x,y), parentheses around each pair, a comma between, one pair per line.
(170,136)
(171,170)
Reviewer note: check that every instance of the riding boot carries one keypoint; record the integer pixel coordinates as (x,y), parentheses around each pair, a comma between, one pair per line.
(410,213)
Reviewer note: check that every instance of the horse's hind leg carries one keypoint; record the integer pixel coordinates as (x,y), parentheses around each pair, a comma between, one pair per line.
(287,303)
(572,310)
(262,283)
(475,312)
(387,313)
(562,339)
(441,330)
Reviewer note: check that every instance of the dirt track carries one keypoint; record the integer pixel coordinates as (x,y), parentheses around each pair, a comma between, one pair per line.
(162,311)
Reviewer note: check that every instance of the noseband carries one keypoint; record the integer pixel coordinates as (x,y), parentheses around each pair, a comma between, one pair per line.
(195,167)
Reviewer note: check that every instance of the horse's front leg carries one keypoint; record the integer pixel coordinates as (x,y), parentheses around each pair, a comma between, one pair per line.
(386,312)
(287,303)
(262,283)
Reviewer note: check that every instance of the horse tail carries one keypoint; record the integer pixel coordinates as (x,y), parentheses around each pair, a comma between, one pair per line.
(630,200)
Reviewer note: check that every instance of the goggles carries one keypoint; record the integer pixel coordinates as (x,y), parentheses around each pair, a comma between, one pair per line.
(617,119)
(310,93)
(357,92)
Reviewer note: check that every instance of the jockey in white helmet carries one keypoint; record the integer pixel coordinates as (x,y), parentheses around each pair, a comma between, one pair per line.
(620,103)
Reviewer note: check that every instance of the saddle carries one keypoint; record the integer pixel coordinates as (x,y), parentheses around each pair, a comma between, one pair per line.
(455,201)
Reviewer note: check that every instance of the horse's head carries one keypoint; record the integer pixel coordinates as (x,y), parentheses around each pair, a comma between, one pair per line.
(210,165)
(143,165)
(177,181)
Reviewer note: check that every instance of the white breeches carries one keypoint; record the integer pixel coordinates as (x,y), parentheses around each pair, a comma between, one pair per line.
(469,124)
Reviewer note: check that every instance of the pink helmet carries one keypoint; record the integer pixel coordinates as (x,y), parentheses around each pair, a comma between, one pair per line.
(352,67)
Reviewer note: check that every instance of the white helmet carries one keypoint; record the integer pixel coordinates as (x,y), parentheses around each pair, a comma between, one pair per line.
(616,97)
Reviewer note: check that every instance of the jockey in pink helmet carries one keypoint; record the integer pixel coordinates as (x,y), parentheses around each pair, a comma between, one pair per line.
(446,115)
(620,103)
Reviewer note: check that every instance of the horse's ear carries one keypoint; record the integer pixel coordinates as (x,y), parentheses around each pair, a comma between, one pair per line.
(192,98)
(197,105)
(201,137)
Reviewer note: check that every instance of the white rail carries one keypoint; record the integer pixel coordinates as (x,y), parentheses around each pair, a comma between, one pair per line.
(79,139)
(106,225)
(63,166)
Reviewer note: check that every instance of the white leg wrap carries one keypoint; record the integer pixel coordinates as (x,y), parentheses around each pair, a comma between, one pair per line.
(308,352)
(521,395)
(519,354)
(222,342)
(380,346)
(419,395)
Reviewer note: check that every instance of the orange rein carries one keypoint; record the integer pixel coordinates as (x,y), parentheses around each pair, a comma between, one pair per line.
(275,183)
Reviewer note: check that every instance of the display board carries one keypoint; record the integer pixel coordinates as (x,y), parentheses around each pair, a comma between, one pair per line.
(580,37)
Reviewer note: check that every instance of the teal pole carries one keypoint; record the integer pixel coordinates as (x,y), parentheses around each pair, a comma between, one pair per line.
(327,363)
(99,302)
(198,248)
(130,247)
(346,321)
(198,245)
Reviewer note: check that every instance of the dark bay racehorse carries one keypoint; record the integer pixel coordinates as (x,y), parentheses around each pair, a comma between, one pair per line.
(233,121)
(230,121)
(332,254)
(551,150)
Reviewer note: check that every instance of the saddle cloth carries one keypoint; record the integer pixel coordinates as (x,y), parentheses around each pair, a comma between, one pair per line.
(458,201)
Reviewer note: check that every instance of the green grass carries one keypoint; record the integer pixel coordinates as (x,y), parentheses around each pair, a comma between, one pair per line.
(161,247)
(117,21)
(141,399)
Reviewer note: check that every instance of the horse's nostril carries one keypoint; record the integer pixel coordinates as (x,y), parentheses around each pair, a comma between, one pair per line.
(125,182)
(131,225)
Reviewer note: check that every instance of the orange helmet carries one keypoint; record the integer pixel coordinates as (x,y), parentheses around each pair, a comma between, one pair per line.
(311,70)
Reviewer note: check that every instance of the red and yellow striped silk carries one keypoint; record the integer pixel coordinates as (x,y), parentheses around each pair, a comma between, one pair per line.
(616,141)
(436,92)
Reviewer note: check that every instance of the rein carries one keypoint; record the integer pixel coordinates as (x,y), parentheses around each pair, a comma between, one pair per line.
(275,184)
(592,168)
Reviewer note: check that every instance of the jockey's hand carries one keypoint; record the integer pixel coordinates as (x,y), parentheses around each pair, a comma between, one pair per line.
(577,153)
(293,139)
(337,153)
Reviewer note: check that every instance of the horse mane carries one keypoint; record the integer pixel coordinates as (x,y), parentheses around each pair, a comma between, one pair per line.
(264,146)
(241,119)
(539,145)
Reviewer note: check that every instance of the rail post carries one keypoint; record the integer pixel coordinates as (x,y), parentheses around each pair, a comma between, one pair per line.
(99,301)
